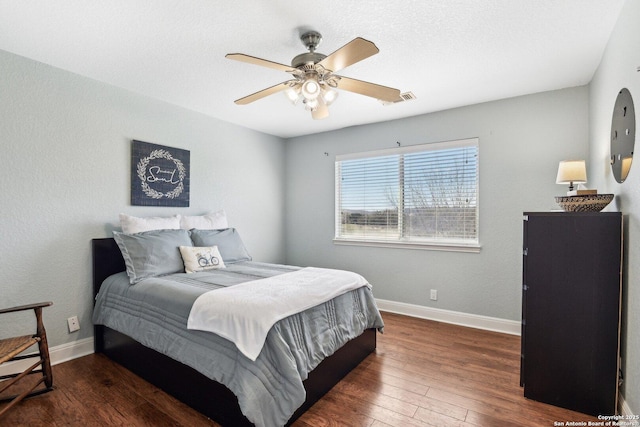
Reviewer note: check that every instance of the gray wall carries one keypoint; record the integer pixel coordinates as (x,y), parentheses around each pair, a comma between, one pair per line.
(65,174)
(521,142)
(618,70)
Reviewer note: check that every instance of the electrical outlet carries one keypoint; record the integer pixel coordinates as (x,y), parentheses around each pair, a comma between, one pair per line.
(434,295)
(74,324)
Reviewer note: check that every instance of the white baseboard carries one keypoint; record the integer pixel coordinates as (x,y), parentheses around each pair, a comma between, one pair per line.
(495,324)
(60,353)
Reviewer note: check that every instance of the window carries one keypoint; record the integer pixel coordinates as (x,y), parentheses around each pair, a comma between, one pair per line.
(419,195)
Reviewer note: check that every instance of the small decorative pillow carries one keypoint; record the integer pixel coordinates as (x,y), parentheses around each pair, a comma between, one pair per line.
(210,221)
(201,258)
(132,224)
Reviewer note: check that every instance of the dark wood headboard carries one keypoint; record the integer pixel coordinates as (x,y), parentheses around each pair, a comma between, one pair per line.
(106,259)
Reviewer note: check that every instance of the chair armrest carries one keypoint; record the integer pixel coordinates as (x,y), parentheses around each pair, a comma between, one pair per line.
(26,307)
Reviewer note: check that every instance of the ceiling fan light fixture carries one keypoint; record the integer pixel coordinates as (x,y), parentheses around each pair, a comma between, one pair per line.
(313,80)
(311,104)
(310,88)
(293,94)
(329,95)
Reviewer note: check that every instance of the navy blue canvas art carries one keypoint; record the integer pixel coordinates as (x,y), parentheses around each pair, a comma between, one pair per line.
(159,175)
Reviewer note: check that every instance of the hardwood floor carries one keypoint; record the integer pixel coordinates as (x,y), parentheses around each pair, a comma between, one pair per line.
(423,373)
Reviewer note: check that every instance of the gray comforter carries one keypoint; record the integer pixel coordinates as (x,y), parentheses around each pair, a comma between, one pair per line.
(269,390)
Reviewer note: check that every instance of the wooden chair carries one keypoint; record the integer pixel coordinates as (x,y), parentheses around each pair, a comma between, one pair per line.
(10,348)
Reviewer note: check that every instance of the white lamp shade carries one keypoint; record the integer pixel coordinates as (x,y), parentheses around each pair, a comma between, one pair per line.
(329,96)
(310,88)
(572,172)
(293,93)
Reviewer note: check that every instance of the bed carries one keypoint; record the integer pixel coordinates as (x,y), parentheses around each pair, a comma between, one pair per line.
(204,389)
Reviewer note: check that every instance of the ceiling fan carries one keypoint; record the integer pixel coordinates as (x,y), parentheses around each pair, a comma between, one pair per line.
(314,81)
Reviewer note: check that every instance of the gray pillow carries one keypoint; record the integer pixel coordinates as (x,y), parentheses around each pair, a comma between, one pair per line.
(227,240)
(152,253)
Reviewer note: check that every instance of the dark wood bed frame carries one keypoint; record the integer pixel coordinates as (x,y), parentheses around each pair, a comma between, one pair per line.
(188,385)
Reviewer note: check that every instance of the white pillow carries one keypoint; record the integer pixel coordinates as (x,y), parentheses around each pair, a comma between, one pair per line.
(201,258)
(131,224)
(210,221)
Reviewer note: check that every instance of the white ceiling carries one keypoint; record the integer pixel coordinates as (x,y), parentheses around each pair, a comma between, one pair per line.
(449,53)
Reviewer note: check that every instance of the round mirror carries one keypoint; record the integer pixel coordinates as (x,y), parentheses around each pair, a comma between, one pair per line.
(623,135)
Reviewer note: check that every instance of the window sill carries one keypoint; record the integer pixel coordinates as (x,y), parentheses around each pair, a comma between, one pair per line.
(429,246)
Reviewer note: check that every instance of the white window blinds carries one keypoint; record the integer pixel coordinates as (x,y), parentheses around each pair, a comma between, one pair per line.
(416,194)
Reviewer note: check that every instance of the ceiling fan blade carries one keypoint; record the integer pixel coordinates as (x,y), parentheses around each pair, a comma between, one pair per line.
(373,90)
(264,92)
(321,111)
(259,61)
(354,51)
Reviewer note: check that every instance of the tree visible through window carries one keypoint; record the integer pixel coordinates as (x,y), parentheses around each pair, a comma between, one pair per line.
(416,194)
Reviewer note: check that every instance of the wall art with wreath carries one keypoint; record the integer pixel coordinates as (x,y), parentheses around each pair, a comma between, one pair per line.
(159,175)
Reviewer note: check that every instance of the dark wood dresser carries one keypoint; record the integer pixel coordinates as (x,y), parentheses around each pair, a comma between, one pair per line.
(571,299)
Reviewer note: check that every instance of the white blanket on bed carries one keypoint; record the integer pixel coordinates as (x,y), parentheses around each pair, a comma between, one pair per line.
(245,313)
